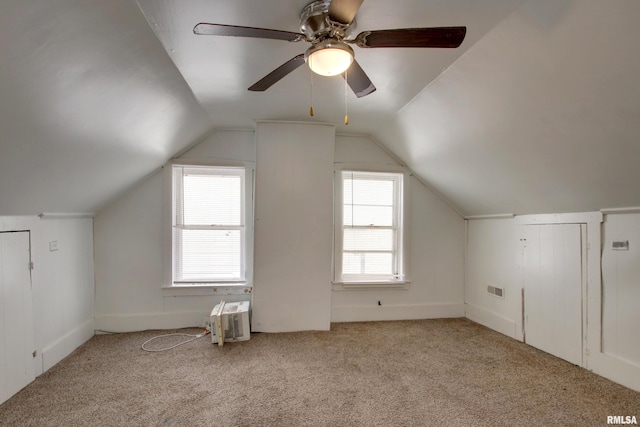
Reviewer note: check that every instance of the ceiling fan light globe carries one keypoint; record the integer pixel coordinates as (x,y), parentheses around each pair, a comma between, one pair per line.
(330,60)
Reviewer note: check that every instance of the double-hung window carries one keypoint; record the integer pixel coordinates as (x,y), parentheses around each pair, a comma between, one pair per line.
(369,227)
(209,233)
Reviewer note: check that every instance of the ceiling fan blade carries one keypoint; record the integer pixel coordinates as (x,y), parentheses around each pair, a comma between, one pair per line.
(446,37)
(358,80)
(236,31)
(273,77)
(344,11)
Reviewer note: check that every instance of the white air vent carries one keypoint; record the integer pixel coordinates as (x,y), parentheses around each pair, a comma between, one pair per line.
(620,245)
(495,291)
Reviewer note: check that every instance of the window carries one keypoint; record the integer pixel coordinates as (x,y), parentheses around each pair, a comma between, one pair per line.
(369,227)
(208,222)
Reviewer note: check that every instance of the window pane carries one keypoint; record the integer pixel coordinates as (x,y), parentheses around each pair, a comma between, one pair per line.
(212,199)
(368,239)
(352,263)
(367,191)
(368,215)
(371,226)
(367,263)
(378,263)
(209,254)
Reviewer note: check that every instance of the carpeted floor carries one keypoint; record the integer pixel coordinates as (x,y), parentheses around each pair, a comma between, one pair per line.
(449,372)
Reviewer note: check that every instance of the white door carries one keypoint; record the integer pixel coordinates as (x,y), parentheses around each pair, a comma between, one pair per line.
(16,327)
(553,289)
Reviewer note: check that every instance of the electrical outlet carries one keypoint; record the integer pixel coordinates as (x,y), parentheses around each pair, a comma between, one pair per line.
(206,323)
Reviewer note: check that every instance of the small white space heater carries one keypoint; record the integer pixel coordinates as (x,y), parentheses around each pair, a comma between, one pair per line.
(230,322)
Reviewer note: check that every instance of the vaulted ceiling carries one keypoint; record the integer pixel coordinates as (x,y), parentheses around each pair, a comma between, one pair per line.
(537,111)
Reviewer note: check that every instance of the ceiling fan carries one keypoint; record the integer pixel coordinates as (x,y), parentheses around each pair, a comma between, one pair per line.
(328,25)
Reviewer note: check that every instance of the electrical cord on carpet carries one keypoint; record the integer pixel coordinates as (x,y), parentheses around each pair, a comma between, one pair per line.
(191,338)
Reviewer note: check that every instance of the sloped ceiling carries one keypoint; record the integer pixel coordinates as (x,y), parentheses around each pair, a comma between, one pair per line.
(537,111)
(89,104)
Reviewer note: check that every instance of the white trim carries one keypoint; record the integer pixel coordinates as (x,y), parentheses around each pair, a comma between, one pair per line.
(609,211)
(22,223)
(49,215)
(494,216)
(351,286)
(206,289)
(374,168)
(167,221)
(293,122)
(396,312)
(402,204)
(146,321)
(66,344)
(560,218)
(238,176)
(211,162)
(491,320)
(616,369)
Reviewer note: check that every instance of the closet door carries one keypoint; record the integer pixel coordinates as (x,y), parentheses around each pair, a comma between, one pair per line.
(553,282)
(16,326)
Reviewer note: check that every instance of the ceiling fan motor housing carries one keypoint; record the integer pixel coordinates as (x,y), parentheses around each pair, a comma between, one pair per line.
(316,25)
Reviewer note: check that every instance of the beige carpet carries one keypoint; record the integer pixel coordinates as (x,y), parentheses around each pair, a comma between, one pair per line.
(408,373)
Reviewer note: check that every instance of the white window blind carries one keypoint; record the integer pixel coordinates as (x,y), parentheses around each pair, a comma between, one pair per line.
(371,226)
(208,224)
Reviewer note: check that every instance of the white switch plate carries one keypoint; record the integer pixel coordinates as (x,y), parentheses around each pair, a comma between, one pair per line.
(53,246)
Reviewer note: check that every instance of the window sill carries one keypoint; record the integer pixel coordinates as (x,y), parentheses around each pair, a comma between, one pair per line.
(350,286)
(199,289)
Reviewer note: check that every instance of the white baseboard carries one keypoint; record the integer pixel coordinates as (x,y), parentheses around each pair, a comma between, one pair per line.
(148,321)
(616,369)
(396,312)
(66,344)
(491,320)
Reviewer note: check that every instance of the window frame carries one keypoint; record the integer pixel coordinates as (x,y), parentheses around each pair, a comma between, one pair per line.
(244,284)
(341,281)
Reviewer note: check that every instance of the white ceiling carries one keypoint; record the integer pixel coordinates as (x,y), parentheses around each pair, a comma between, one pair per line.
(90,104)
(220,69)
(542,115)
(537,111)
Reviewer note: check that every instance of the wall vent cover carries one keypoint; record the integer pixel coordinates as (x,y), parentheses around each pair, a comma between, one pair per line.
(495,291)
(620,245)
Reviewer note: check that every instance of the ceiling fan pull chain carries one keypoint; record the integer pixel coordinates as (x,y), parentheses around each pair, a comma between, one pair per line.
(311,112)
(346,103)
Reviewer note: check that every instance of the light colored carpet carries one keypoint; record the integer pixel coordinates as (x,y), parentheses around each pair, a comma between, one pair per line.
(449,372)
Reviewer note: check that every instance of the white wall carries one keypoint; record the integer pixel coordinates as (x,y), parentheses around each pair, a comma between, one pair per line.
(62,283)
(493,257)
(621,288)
(612,344)
(436,253)
(129,252)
